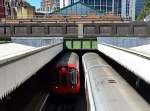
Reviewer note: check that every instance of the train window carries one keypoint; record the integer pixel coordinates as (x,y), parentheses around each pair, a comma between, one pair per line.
(64,80)
(73,77)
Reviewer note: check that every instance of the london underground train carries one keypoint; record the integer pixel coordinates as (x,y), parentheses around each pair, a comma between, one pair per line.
(106,90)
(65,76)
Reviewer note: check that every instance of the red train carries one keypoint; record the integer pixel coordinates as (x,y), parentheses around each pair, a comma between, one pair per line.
(65,77)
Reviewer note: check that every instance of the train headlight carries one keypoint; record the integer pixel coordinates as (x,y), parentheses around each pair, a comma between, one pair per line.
(63,69)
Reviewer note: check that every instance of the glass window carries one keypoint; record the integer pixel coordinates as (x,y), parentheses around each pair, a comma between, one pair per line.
(73,77)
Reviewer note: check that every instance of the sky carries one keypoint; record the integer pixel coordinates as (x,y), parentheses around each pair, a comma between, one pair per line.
(35,3)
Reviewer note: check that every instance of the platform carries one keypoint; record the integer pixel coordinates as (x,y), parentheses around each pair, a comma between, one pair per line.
(134,61)
(18,63)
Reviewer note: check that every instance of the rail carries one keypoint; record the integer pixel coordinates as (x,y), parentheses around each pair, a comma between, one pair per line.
(38,102)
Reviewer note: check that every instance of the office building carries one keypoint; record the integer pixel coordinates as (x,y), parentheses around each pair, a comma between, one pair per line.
(124,8)
(48,6)
(2,12)
(139,7)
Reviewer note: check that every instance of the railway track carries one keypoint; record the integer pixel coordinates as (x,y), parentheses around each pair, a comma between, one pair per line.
(66,103)
(38,102)
(43,101)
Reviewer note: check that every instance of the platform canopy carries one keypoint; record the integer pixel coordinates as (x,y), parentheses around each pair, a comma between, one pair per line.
(10,49)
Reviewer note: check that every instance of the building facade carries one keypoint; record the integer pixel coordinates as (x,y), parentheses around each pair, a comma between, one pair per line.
(77,9)
(2,12)
(11,6)
(64,3)
(122,8)
(47,6)
(105,6)
(139,7)
(25,11)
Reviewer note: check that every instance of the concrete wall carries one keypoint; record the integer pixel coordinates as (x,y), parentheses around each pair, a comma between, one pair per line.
(72,30)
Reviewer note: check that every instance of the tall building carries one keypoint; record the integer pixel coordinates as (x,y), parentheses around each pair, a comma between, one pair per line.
(73,1)
(124,8)
(132,9)
(117,7)
(48,6)
(139,7)
(105,6)
(2,12)
(11,6)
(25,11)
(64,3)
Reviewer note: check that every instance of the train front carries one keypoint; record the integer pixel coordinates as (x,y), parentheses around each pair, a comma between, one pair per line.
(67,75)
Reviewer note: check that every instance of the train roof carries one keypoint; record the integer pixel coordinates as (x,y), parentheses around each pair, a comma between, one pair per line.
(93,58)
(69,58)
(110,92)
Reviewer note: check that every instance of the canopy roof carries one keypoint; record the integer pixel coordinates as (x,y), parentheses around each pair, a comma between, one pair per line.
(77,8)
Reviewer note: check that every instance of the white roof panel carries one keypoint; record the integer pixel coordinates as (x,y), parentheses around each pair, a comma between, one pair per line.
(12,48)
(143,48)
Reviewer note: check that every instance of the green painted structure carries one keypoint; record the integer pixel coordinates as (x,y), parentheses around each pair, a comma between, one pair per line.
(82,44)
(77,8)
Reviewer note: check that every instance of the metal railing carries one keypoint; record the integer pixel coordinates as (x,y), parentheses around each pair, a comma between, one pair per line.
(81,44)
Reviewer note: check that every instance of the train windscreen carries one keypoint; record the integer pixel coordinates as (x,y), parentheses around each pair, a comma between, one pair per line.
(73,77)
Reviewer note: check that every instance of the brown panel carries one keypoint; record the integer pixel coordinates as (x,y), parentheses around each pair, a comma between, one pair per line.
(105,30)
(2,30)
(89,30)
(21,31)
(38,31)
(56,30)
(139,30)
(7,31)
(123,30)
(72,30)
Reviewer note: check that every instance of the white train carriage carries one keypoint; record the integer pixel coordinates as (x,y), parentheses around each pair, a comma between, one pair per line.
(106,90)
